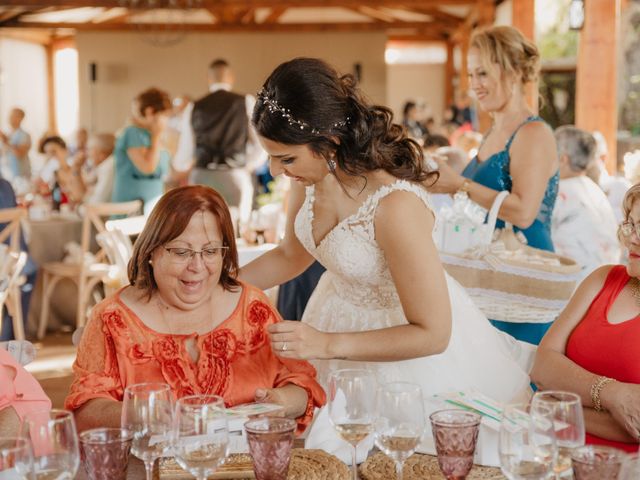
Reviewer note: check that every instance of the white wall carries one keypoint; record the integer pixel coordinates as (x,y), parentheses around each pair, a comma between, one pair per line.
(127,65)
(416,82)
(23,83)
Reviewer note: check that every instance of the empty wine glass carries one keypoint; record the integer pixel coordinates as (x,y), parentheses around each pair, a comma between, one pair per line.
(527,443)
(352,406)
(54,441)
(568,421)
(201,434)
(16,458)
(400,422)
(147,412)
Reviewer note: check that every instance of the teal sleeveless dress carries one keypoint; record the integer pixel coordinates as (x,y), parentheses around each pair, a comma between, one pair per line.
(494,173)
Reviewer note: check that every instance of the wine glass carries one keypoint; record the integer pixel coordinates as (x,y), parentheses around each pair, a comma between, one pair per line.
(201,434)
(54,440)
(568,423)
(400,422)
(527,443)
(16,458)
(352,406)
(147,412)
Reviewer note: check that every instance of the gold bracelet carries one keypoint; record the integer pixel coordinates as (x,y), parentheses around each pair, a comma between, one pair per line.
(464,188)
(596,388)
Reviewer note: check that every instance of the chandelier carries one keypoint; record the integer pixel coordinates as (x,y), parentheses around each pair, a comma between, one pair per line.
(163,23)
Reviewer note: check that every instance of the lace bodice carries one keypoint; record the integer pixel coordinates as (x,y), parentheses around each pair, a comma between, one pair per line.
(350,252)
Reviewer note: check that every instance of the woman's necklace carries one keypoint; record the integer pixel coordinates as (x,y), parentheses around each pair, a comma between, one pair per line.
(160,304)
(634,283)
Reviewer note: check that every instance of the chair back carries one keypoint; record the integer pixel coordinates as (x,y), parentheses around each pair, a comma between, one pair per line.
(96,216)
(12,218)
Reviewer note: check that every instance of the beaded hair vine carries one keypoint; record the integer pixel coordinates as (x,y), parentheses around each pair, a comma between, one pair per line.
(274,107)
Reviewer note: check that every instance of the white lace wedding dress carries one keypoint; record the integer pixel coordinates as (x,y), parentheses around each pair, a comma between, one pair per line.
(357,293)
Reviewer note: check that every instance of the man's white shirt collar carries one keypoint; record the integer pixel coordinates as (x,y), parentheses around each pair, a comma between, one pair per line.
(214,87)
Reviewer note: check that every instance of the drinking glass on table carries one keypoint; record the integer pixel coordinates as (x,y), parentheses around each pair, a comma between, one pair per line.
(201,434)
(105,453)
(400,422)
(16,458)
(147,412)
(527,443)
(352,406)
(455,434)
(597,462)
(568,423)
(54,441)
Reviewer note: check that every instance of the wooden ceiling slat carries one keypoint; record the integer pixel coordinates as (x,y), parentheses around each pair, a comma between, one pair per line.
(258,27)
(251,3)
(276,13)
(374,14)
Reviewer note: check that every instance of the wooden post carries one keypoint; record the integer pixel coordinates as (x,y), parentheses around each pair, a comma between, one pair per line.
(50,87)
(449,73)
(596,79)
(523,18)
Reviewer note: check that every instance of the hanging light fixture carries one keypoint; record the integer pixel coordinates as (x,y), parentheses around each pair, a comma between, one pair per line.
(576,14)
(163,22)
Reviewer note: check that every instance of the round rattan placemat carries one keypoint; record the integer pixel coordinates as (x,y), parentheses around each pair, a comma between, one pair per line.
(418,467)
(316,465)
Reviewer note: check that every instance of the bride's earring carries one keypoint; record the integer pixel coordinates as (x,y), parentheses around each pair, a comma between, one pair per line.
(331,163)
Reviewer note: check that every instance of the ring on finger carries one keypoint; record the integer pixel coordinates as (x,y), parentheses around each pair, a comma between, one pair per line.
(284,346)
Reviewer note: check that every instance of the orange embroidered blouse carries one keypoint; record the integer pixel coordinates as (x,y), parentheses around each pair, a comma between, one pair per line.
(118,349)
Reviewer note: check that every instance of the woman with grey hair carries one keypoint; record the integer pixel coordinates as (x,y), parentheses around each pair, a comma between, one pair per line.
(583,225)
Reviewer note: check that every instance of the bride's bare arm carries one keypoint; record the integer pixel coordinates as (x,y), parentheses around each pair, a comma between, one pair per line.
(288,260)
(403,228)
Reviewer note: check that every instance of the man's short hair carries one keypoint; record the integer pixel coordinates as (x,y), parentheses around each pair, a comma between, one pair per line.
(51,139)
(218,63)
(579,145)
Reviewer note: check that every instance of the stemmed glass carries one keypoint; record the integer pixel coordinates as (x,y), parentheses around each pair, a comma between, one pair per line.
(568,421)
(201,434)
(352,406)
(527,443)
(400,422)
(16,458)
(54,440)
(147,412)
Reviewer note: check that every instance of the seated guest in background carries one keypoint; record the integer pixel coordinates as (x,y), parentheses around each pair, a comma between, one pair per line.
(20,394)
(411,121)
(8,200)
(78,150)
(592,348)
(141,161)
(583,226)
(17,144)
(187,321)
(55,149)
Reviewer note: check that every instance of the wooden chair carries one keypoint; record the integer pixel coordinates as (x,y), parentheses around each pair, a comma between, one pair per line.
(86,275)
(14,265)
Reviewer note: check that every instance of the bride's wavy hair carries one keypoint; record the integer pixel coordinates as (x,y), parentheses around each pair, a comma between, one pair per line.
(306,102)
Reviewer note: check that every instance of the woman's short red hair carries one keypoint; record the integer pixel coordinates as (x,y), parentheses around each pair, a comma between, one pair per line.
(169,219)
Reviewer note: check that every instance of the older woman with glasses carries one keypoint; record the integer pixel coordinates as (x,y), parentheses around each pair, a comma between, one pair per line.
(187,321)
(592,349)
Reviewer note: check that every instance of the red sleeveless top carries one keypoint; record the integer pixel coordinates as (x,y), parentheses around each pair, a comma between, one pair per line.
(608,349)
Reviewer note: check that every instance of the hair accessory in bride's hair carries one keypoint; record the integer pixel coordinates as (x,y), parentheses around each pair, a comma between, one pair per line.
(274,107)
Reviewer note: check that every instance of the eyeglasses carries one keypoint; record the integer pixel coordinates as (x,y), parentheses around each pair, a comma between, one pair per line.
(627,228)
(182,256)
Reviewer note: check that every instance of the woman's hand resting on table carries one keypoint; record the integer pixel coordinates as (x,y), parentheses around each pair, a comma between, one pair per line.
(293,398)
(294,339)
(622,400)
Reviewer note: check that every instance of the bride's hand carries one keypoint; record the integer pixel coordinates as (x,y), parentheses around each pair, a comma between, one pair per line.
(294,339)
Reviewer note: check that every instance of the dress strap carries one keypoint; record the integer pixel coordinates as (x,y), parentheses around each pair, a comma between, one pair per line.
(404,185)
(532,118)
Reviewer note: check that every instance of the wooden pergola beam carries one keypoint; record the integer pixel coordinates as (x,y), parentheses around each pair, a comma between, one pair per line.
(257,27)
(248,3)
(275,14)
(436,13)
(374,13)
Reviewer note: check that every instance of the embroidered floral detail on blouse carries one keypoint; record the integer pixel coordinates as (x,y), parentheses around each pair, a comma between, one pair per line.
(218,351)
(114,320)
(139,354)
(260,315)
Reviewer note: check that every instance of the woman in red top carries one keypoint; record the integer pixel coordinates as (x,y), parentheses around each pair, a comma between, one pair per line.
(593,348)
(186,320)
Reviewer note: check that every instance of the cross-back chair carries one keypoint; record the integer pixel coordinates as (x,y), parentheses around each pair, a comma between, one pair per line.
(13,263)
(87,274)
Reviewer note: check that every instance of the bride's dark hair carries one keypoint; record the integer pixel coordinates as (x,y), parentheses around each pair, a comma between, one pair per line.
(306,102)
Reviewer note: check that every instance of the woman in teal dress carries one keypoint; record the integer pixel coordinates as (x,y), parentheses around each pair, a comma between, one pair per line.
(141,163)
(518,153)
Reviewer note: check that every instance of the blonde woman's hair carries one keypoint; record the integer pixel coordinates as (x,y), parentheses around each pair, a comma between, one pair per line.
(507,48)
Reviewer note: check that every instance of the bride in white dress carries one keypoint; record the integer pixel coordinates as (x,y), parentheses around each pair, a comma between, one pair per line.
(358,206)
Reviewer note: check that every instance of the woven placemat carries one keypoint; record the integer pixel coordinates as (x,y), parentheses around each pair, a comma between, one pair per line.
(418,467)
(305,465)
